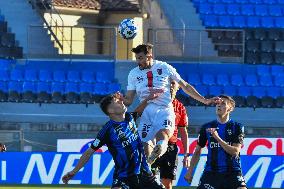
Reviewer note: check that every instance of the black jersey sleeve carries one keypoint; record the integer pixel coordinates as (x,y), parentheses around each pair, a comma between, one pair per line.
(239,134)
(202,139)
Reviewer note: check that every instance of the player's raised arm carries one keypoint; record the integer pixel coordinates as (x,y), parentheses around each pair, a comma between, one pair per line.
(83,160)
(191,91)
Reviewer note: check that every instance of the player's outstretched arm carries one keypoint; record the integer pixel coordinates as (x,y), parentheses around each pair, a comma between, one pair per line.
(193,162)
(83,160)
(191,91)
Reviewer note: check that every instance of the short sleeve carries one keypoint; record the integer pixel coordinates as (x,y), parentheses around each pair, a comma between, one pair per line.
(100,140)
(202,139)
(239,134)
(173,73)
(183,122)
(131,82)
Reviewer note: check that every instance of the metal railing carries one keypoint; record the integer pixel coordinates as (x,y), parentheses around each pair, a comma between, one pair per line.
(198,44)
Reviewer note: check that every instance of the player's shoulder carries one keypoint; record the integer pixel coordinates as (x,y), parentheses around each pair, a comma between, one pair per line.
(236,124)
(161,63)
(134,70)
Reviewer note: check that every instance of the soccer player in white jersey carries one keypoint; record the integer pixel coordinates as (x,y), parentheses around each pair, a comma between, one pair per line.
(152,78)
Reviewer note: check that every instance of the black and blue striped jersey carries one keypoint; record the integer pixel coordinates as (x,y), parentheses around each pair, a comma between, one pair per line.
(124,145)
(218,160)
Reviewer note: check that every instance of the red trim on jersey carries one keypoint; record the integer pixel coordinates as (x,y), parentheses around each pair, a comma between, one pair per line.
(150,78)
(181,119)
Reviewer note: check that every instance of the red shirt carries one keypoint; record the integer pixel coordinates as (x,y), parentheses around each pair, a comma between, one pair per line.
(181,118)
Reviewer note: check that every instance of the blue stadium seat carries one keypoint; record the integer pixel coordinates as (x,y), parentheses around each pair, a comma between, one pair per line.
(213,1)
(16,75)
(233,9)
(271,2)
(239,22)
(57,90)
(86,87)
(225,21)
(15,88)
(202,89)
(88,77)
(244,91)
(4,75)
(100,89)
(45,75)
(228,1)
(280,1)
(71,87)
(73,76)
(279,22)
(72,92)
(113,87)
(230,90)
(258,92)
(251,80)
(31,75)
(267,22)
(194,79)
(103,77)
(247,10)
(277,70)
(265,80)
(5,64)
(86,90)
(242,1)
(215,90)
(3,86)
(210,20)
(222,79)
(253,22)
(262,70)
(59,76)
(205,9)
(261,10)
(199,1)
(43,92)
(29,91)
(219,9)
(273,92)
(279,80)
(208,79)
(255,1)
(237,80)
(275,10)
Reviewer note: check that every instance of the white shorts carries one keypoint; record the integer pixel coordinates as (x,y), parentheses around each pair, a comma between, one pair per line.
(153,119)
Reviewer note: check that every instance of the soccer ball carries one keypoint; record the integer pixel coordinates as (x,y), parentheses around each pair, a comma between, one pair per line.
(127,29)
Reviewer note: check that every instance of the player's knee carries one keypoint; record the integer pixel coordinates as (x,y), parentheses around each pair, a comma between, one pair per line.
(163,134)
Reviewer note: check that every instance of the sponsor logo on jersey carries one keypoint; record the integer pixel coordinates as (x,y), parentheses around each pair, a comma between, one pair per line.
(159,71)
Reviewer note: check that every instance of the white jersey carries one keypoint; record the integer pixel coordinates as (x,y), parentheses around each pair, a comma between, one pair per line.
(157,77)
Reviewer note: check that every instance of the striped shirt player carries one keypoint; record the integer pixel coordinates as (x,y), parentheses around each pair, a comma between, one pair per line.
(224,138)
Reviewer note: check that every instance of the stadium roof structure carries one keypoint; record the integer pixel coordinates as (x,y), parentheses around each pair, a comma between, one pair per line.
(99,5)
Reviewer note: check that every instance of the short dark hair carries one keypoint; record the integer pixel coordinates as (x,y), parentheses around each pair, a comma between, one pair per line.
(145,48)
(230,99)
(105,102)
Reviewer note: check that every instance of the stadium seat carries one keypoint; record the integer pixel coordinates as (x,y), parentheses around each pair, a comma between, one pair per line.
(16,75)
(99,90)
(225,21)
(233,35)
(88,77)
(279,80)
(259,34)
(269,2)
(255,1)
(233,9)
(215,90)
(45,75)
(267,46)
(279,102)
(29,91)
(265,80)
(113,87)
(244,91)
(268,101)
(266,58)
(4,75)
(217,35)
(267,22)
(242,1)
(258,92)
(73,76)
(210,20)
(274,35)
(262,70)
(279,58)
(228,1)
(230,90)
(274,10)
(194,79)
(261,10)
(59,76)
(71,93)
(31,75)
(219,9)
(253,22)
(279,22)
(7,39)
(279,46)
(249,35)
(203,90)
(273,92)
(57,91)
(252,58)
(277,70)
(43,92)
(247,10)
(223,79)
(86,90)
(237,80)
(252,46)
(3,91)
(15,89)
(239,22)
(240,101)
(205,8)
(103,77)
(280,2)
(208,79)
(251,80)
